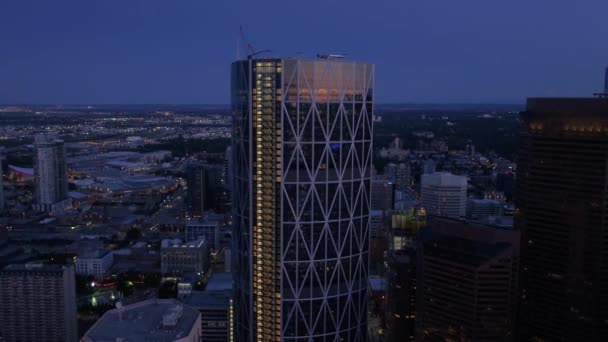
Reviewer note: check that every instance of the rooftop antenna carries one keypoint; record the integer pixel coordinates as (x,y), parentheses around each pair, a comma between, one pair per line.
(250,49)
(605,93)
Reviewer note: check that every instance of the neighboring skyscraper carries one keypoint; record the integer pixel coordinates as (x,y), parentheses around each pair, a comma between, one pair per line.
(303,149)
(38,303)
(400,175)
(382,193)
(401,296)
(196,196)
(403,176)
(228,173)
(561,211)
(444,194)
(466,282)
(208,188)
(50,171)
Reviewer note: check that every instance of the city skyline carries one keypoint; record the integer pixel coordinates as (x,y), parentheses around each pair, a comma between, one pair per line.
(67,52)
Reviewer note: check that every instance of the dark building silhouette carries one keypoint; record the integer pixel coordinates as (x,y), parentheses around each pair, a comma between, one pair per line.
(466,282)
(561,199)
(505,184)
(197,194)
(208,189)
(401,296)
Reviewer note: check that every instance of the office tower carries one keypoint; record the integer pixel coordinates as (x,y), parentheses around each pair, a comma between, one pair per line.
(228,168)
(401,296)
(399,174)
(403,176)
(50,171)
(382,193)
(151,320)
(302,140)
(196,195)
(444,194)
(466,282)
(38,303)
(561,211)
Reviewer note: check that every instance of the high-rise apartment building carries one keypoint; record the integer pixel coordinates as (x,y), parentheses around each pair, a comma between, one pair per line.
(561,211)
(303,150)
(466,282)
(38,303)
(444,194)
(50,171)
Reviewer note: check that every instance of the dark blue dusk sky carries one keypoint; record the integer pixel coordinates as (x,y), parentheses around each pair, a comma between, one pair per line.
(179,51)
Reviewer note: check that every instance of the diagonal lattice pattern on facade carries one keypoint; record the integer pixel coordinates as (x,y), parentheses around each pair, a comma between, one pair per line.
(303,152)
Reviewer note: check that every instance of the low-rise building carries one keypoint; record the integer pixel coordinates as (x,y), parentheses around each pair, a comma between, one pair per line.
(95,263)
(207,229)
(150,320)
(178,258)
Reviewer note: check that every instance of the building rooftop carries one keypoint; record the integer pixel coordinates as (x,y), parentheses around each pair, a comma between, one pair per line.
(444,179)
(209,299)
(169,243)
(34,266)
(566,107)
(220,281)
(486,201)
(93,254)
(150,320)
(377,284)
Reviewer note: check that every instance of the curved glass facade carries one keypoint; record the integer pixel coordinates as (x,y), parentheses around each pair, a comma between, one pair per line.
(303,151)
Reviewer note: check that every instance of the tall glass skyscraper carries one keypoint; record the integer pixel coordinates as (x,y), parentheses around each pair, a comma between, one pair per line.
(302,154)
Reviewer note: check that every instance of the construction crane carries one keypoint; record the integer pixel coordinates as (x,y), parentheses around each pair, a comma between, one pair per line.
(251,51)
